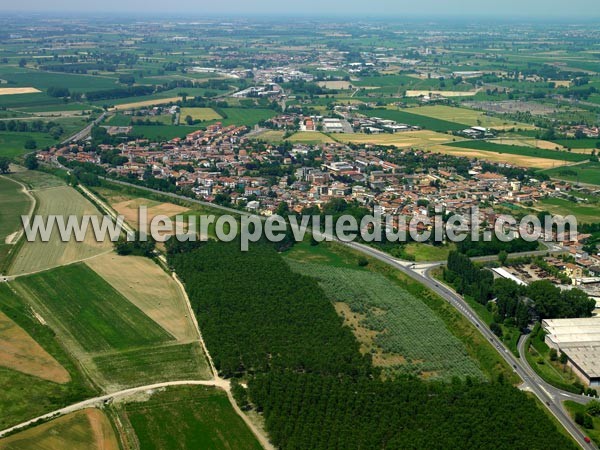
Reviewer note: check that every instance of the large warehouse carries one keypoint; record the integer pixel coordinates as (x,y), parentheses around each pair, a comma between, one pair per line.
(579,339)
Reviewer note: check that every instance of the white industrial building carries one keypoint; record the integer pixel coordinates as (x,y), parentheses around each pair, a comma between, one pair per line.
(579,339)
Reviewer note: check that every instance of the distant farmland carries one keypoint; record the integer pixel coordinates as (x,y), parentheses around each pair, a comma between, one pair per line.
(488,146)
(39,255)
(408,118)
(582,173)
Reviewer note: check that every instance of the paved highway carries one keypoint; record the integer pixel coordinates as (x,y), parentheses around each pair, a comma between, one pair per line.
(83,134)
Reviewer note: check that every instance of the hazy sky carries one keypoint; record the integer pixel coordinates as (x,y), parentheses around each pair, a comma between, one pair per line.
(421,8)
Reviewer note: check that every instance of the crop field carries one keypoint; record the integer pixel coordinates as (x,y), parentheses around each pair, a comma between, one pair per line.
(13,203)
(400,329)
(588,213)
(408,117)
(148,287)
(245,116)
(301,137)
(517,160)
(34,179)
(24,395)
(38,255)
(199,114)
(88,429)
(310,138)
(579,143)
(74,82)
(488,146)
(129,209)
(23,90)
(140,103)
(588,173)
(87,311)
(18,351)
(422,138)
(196,417)
(13,144)
(146,366)
(467,116)
(162,132)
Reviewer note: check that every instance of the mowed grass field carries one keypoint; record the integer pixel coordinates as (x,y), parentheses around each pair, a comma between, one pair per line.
(588,173)
(13,203)
(195,417)
(150,288)
(88,429)
(199,114)
(38,255)
(87,311)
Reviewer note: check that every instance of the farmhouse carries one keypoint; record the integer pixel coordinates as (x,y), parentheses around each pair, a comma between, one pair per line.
(579,339)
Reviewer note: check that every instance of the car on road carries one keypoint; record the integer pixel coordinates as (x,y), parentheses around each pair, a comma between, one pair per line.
(587,440)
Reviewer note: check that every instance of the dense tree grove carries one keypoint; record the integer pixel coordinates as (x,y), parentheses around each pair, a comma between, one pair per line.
(305,411)
(258,315)
(306,375)
(483,248)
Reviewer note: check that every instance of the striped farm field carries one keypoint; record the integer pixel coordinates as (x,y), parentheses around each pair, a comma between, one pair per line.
(38,255)
(397,328)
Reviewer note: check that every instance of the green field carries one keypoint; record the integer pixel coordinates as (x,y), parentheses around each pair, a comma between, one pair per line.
(162,132)
(244,116)
(408,118)
(167,362)
(74,82)
(196,417)
(519,150)
(13,144)
(199,114)
(588,173)
(13,203)
(22,396)
(579,143)
(405,328)
(463,115)
(34,179)
(589,213)
(425,252)
(37,255)
(88,311)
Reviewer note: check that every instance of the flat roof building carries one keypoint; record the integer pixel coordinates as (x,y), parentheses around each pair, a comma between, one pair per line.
(579,339)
